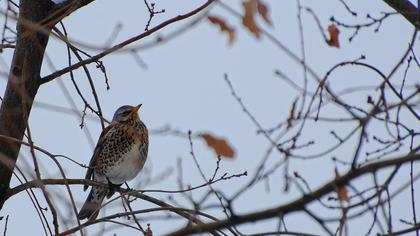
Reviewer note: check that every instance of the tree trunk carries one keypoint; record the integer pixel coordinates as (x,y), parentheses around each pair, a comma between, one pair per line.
(23,84)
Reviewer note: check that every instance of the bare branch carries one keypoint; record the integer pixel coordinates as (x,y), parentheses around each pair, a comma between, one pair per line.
(95,58)
(298,204)
(406,9)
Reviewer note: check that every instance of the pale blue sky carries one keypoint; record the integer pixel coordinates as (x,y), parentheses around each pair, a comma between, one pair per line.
(183,86)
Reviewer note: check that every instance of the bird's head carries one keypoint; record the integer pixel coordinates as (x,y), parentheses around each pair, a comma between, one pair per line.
(126,113)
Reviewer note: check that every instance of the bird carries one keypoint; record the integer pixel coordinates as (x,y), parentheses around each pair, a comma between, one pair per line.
(118,157)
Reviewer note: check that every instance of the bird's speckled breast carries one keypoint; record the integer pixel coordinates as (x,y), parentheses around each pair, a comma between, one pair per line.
(128,166)
(124,152)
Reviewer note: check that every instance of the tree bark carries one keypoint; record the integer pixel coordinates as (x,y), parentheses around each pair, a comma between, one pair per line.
(23,83)
(406,9)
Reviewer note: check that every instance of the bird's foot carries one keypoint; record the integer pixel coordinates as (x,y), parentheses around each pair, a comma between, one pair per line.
(128,187)
(112,188)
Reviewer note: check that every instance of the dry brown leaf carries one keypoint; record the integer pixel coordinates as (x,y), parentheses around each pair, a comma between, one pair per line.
(248,18)
(342,190)
(223,27)
(263,11)
(149,231)
(334,32)
(291,114)
(220,146)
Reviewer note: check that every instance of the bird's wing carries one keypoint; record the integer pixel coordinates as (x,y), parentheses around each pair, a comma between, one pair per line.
(96,152)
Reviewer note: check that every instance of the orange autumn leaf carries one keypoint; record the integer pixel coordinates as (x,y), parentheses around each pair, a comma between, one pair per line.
(223,27)
(342,190)
(248,18)
(263,11)
(220,146)
(333,32)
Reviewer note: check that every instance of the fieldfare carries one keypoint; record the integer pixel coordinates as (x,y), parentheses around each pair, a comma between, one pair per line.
(118,157)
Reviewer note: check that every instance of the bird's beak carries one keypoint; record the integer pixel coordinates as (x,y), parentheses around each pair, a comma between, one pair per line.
(135,109)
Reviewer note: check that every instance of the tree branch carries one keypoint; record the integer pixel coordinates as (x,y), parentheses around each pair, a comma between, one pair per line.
(406,9)
(300,203)
(95,58)
(404,231)
(22,86)
(43,182)
(34,24)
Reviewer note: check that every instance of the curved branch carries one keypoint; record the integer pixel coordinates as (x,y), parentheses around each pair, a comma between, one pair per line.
(130,213)
(95,58)
(404,231)
(300,203)
(38,183)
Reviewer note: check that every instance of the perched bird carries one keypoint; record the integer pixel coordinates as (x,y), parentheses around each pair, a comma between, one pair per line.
(118,157)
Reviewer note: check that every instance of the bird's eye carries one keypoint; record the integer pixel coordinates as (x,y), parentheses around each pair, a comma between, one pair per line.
(125,113)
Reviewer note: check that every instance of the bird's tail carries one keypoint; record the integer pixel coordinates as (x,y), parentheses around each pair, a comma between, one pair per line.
(90,209)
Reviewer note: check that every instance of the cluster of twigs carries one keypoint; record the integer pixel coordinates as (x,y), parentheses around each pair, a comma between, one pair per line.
(379,155)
